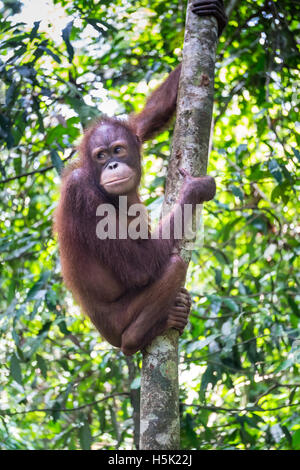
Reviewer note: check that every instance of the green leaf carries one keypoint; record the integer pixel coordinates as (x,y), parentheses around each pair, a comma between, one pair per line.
(107,25)
(188,429)
(49,52)
(292,395)
(275,170)
(45,328)
(136,383)
(33,32)
(42,365)
(210,375)
(228,229)
(215,303)
(232,305)
(11,94)
(37,291)
(241,148)
(287,434)
(85,112)
(293,305)
(198,345)
(219,255)
(15,369)
(57,161)
(26,71)
(285,365)
(15,337)
(15,41)
(296,153)
(63,327)
(256,172)
(281,191)
(56,410)
(276,432)
(218,276)
(237,192)
(101,26)
(85,436)
(66,37)
(296,440)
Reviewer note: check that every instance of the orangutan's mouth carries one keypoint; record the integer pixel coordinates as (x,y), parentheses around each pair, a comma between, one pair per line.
(117,181)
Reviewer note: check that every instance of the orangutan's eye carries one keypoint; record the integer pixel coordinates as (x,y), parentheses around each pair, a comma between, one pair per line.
(100,155)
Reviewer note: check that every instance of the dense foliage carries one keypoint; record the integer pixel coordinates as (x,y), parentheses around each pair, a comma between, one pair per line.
(61,386)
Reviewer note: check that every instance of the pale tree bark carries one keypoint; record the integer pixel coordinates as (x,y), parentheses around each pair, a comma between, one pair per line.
(160,426)
(134,399)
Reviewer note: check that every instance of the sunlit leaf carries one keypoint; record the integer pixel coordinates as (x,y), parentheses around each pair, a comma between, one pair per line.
(57,161)
(66,37)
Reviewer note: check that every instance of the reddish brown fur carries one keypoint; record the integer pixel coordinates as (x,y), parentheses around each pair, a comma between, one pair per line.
(131,289)
(159,109)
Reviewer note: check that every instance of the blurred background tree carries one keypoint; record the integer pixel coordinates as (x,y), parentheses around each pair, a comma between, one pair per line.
(63,63)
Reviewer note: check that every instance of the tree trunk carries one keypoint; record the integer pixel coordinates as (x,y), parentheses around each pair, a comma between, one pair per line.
(134,399)
(160,425)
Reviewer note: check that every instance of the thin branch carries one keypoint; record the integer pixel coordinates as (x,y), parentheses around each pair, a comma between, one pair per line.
(266,392)
(227,99)
(226,315)
(52,410)
(237,33)
(253,409)
(39,170)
